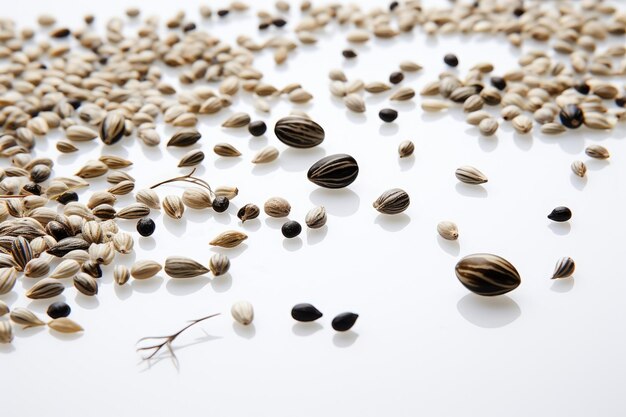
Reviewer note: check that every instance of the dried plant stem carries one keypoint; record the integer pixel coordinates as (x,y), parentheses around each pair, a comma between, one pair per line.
(167,342)
(187,178)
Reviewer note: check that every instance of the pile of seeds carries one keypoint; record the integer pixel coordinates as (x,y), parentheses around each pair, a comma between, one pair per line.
(110,87)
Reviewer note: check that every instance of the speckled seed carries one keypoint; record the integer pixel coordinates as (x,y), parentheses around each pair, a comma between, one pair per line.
(564,268)
(448,230)
(487,274)
(393,201)
(579,168)
(334,171)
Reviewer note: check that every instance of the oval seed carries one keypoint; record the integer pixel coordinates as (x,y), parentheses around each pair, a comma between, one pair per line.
(470,175)
(242,312)
(86,284)
(344,321)
(6,332)
(487,274)
(65,325)
(219,264)
(388,115)
(579,168)
(291,229)
(448,230)
(46,288)
(145,269)
(248,212)
(299,132)
(316,217)
(277,207)
(305,312)
(571,116)
(597,151)
(229,239)
(181,267)
(406,149)
(334,171)
(58,309)
(564,268)
(393,201)
(145,227)
(560,214)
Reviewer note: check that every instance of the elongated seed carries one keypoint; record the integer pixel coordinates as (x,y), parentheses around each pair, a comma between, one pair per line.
(470,175)
(487,274)
(393,201)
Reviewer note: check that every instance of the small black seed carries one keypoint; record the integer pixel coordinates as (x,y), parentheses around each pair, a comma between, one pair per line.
(189,27)
(75,103)
(571,116)
(518,11)
(393,5)
(305,312)
(59,309)
(344,321)
(291,229)
(279,22)
(92,268)
(220,204)
(621,101)
(498,82)
(388,115)
(264,25)
(223,12)
(67,197)
(560,214)
(582,88)
(348,53)
(257,127)
(451,60)
(396,77)
(145,226)
(31,188)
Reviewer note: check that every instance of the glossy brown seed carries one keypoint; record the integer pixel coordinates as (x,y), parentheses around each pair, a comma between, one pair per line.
(334,171)
(487,274)
(299,132)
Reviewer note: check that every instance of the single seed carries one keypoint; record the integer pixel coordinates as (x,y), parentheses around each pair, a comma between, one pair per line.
(145,227)
(498,82)
(316,217)
(355,103)
(219,264)
(448,230)
(560,214)
(552,128)
(305,312)
(25,317)
(65,325)
(145,269)
(334,171)
(134,211)
(571,116)
(488,126)
(344,321)
(86,284)
(265,155)
(173,206)
(181,267)
(148,197)
(227,150)
(410,66)
(388,115)
(220,204)
(393,201)
(277,207)
(46,288)
(486,274)
(228,239)
(121,274)
(434,105)
(4,308)
(451,60)
(58,309)
(21,252)
(403,94)
(257,128)
(237,120)
(8,278)
(522,124)
(191,158)
(112,128)
(597,151)
(470,175)
(185,137)
(197,198)
(242,312)
(6,332)
(299,132)
(406,149)
(348,53)
(291,229)
(37,268)
(225,191)
(564,268)
(92,268)
(248,212)
(396,77)
(579,168)
(66,269)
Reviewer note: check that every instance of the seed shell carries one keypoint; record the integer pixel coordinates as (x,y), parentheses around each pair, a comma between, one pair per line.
(487,274)
(197,198)
(470,175)
(579,168)
(334,171)
(66,269)
(37,268)
(121,274)
(148,197)
(248,212)
(46,288)
(6,332)
(448,230)
(181,267)
(237,120)
(299,132)
(277,207)
(355,103)
(229,239)
(133,211)
(112,127)
(393,201)
(316,217)
(185,137)
(173,206)
(226,149)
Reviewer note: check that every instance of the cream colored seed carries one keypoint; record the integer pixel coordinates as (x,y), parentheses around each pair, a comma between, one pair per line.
(522,124)
(267,154)
(355,103)
(488,126)
(406,149)
(579,168)
(434,105)
(145,269)
(448,230)
(173,206)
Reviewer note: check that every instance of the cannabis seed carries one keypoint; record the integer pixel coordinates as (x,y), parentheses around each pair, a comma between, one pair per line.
(406,148)
(344,321)
(145,227)
(560,214)
(220,204)
(257,127)
(451,60)
(58,309)
(470,175)
(248,212)
(388,115)
(572,116)
(597,151)
(305,312)
(448,230)
(487,274)
(564,268)
(579,168)
(291,229)
(393,201)
(334,171)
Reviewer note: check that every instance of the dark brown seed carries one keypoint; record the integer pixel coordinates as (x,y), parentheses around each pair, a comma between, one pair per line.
(572,116)
(257,127)
(60,33)
(388,115)
(349,53)
(223,12)
(67,197)
(248,212)
(67,245)
(487,274)
(291,229)
(185,137)
(299,132)
(396,77)
(279,22)
(393,201)
(498,82)
(92,268)
(334,171)
(451,60)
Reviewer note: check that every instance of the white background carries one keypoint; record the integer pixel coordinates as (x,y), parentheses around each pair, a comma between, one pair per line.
(423,345)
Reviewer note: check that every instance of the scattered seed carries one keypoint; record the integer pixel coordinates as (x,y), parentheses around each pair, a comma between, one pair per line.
(237,120)
(185,137)
(305,312)
(470,175)
(220,204)
(406,149)
(58,309)
(560,214)
(265,155)
(277,207)
(522,124)
(25,317)
(229,239)
(316,217)
(257,128)
(344,321)
(46,288)
(6,332)
(448,230)
(388,115)
(579,168)
(488,126)
(396,77)
(349,53)
(393,201)
(571,116)
(487,274)
(597,151)
(112,128)
(191,158)
(334,171)
(121,274)
(181,267)
(86,284)
(451,60)
(65,325)
(355,103)
(242,312)
(403,94)
(291,229)
(299,132)
(173,206)
(219,264)
(145,269)
(248,212)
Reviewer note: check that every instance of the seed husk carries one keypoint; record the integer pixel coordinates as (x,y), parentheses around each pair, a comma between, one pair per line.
(597,151)
(25,317)
(58,309)
(181,267)
(86,284)
(373,87)
(552,128)
(344,321)
(219,264)
(248,212)
(337,75)
(579,168)
(406,149)
(185,137)
(104,212)
(46,288)
(21,252)
(122,188)
(448,230)
(277,207)
(393,201)
(6,332)
(121,274)
(112,127)
(334,171)
(305,312)
(560,214)
(488,126)
(403,94)
(101,253)
(65,325)
(228,239)
(226,149)
(316,217)
(134,211)
(265,155)
(37,268)
(597,121)
(299,132)
(66,269)
(92,268)
(564,268)
(410,66)
(148,197)
(487,274)
(470,175)
(237,120)
(242,312)
(145,269)
(197,198)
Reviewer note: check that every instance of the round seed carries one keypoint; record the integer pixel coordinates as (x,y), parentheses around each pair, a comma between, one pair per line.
(248,212)
(220,204)
(560,214)
(406,149)
(291,229)
(58,309)
(388,115)
(451,60)
(396,77)
(334,171)
(146,227)
(257,128)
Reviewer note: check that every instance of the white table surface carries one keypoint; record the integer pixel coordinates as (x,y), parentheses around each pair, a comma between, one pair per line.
(423,345)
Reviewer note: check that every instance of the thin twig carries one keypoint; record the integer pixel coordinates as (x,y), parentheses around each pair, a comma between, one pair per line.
(167,340)
(13,196)
(187,178)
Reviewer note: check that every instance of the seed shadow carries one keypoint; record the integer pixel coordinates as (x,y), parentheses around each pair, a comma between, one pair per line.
(405,105)
(345,339)
(267,168)
(356,118)
(20,331)
(226,162)
(123,292)
(469,190)
(523,141)
(222,283)
(251,225)
(388,129)
(488,143)
(562,285)
(406,163)
(450,246)
(393,222)
(432,116)
(247,332)
(231,252)
(258,143)
(86,301)
(305,329)
(578,182)
(315,236)
(9,298)
(275,222)
(7,348)
(488,312)
(342,202)
(147,243)
(572,143)
(146,286)
(597,164)
(186,286)
(293,244)
(560,228)
(295,160)
(65,336)
(42,305)
(177,227)
(153,153)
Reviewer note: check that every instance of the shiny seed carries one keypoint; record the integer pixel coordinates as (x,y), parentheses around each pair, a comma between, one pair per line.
(393,201)
(226,149)
(121,274)
(316,217)
(86,284)
(470,175)
(228,239)
(173,206)
(406,149)
(344,321)
(334,171)
(305,312)
(564,268)
(185,137)
(487,274)
(299,132)
(112,128)
(560,214)
(237,120)
(448,230)
(265,155)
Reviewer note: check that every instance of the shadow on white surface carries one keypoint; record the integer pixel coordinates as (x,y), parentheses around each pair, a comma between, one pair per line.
(255,144)
(315,236)
(146,243)
(20,331)
(450,246)
(165,355)
(523,142)
(488,312)
(468,190)
(342,202)
(87,302)
(578,182)
(223,162)
(299,160)
(177,227)
(186,286)
(572,144)
(264,169)
(231,252)
(597,164)
(394,222)
(562,285)
(560,228)
(306,329)
(42,305)
(146,286)
(406,163)
(345,339)
(356,118)
(274,222)
(388,129)
(65,336)
(9,298)
(247,332)
(6,348)
(488,143)
(251,225)
(222,283)
(292,244)
(123,292)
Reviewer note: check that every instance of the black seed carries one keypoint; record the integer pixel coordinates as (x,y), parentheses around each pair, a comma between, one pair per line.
(572,116)
(621,101)
(396,77)
(145,226)
(518,11)
(57,230)
(393,5)
(498,82)
(257,127)
(223,12)
(348,53)
(264,25)
(582,88)
(279,23)
(189,27)
(388,115)
(305,312)
(291,229)
(92,268)
(451,60)
(67,197)
(334,171)
(59,309)
(220,204)
(31,188)
(344,321)
(75,103)
(560,214)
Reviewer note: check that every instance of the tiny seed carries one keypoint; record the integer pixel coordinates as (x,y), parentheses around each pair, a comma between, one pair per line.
(388,115)
(305,312)
(396,77)
(564,268)
(291,229)
(349,53)
(560,214)
(579,168)
(572,116)
(406,149)
(448,230)
(242,312)
(451,60)
(220,204)
(316,217)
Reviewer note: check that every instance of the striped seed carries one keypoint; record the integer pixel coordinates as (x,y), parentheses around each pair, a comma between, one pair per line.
(228,239)
(470,175)
(299,132)
(182,267)
(487,274)
(334,171)
(46,288)
(564,268)
(393,201)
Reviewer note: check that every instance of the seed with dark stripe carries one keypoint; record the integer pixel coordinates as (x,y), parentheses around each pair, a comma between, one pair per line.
(487,274)
(470,175)
(572,116)
(392,201)
(257,127)
(560,214)
(305,312)
(299,132)
(498,82)
(334,171)
(564,268)
(344,321)
(185,137)
(112,127)
(388,115)
(86,284)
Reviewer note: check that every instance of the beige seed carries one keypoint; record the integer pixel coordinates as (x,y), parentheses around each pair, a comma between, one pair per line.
(115,162)
(226,191)
(65,325)
(403,94)
(37,268)
(80,133)
(338,88)
(4,308)
(148,197)
(121,274)
(173,206)
(6,332)
(522,124)
(430,89)
(597,151)
(265,155)
(133,211)
(473,103)
(101,253)
(434,105)
(219,264)
(64,146)
(579,168)
(237,120)
(277,207)
(101,197)
(86,284)
(470,175)
(355,103)
(376,87)
(597,121)
(358,36)
(191,158)
(488,126)
(122,188)
(46,288)
(552,128)
(300,96)
(354,86)
(228,239)
(182,267)
(242,312)
(149,137)
(226,149)
(316,217)
(337,75)
(123,243)
(406,149)
(474,118)
(448,230)
(8,278)
(66,269)
(410,66)
(25,317)
(510,112)
(92,169)
(118,176)
(145,269)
